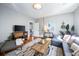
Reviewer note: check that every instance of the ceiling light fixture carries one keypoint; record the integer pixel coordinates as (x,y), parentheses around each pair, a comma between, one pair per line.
(37,6)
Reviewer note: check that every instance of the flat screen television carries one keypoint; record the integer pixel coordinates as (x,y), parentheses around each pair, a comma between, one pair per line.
(18,28)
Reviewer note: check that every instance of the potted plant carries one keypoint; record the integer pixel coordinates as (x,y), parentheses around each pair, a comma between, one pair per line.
(72,29)
(67,29)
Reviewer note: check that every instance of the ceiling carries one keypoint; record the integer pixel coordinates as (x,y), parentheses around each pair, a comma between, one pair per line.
(48,9)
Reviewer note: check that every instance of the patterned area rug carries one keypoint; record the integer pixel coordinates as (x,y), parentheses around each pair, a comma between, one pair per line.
(55,51)
(52,51)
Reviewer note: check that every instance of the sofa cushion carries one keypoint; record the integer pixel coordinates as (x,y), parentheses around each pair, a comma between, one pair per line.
(76,39)
(71,40)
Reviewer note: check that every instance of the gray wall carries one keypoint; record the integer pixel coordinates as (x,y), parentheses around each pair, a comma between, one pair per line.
(76,20)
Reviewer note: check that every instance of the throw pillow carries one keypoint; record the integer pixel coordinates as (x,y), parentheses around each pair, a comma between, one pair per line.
(76,53)
(74,46)
(71,40)
(66,38)
(19,41)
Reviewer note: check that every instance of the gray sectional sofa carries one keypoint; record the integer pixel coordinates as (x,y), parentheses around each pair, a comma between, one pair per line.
(69,48)
(61,44)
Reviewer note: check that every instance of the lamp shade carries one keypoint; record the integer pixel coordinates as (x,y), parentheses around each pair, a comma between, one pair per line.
(37,6)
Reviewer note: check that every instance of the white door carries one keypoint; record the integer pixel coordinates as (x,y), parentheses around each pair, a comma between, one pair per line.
(36,29)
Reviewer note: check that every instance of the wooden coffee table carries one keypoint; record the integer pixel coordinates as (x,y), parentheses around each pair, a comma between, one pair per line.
(41,48)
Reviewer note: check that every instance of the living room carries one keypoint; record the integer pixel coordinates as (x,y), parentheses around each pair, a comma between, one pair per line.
(36,27)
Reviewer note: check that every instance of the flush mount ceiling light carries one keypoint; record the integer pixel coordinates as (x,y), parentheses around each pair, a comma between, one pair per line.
(37,6)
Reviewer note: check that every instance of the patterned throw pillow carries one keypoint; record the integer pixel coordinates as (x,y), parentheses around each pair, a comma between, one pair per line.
(76,53)
(74,46)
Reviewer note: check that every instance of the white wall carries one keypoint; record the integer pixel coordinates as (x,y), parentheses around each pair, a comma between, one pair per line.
(57,20)
(76,20)
(8,18)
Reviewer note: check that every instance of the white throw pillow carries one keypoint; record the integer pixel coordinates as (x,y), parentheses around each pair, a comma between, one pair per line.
(73,37)
(70,42)
(76,40)
(19,41)
(66,38)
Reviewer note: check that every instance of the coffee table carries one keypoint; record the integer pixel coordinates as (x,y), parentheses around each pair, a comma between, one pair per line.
(41,48)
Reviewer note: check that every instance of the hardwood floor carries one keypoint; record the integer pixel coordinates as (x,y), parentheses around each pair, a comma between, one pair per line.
(55,51)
